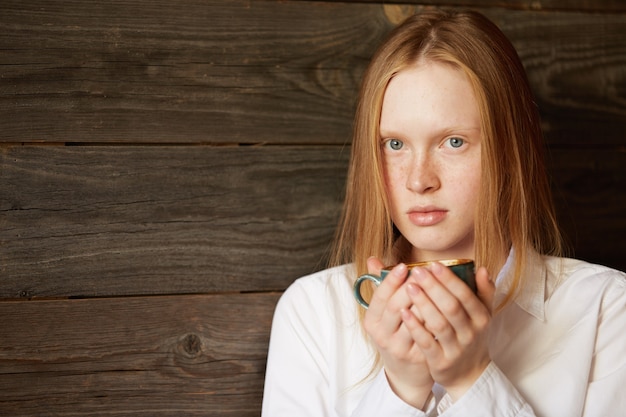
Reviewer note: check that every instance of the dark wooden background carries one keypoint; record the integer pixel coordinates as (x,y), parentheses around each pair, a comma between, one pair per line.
(168,168)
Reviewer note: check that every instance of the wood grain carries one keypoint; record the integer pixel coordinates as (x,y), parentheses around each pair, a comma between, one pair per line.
(128,220)
(191,71)
(590,192)
(266,71)
(167,247)
(545,5)
(576,66)
(92,221)
(145,356)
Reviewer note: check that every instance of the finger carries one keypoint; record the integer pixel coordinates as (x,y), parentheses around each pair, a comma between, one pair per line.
(452,282)
(441,310)
(465,312)
(386,289)
(416,312)
(424,339)
(374,265)
(425,302)
(394,339)
(466,303)
(383,321)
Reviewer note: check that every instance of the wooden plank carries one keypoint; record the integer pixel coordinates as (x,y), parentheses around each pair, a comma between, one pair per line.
(217,70)
(545,5)
(264,71)
(575,65)
(151,356)
(102,221)
(91,221)
(590,192)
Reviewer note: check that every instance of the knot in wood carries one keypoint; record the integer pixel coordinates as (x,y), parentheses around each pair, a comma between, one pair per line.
(396,14)
(25,294)
(192,344)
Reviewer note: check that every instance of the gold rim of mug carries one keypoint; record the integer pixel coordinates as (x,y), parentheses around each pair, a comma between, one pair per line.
(445,262)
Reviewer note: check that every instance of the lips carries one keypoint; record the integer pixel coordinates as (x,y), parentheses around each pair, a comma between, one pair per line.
(427,216)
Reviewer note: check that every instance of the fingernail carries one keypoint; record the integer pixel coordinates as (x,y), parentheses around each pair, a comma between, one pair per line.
(437,268)
(417,273)
(412,289)
(400,269)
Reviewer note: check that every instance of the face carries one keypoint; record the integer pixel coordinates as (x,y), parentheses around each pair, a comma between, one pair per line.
(430,142)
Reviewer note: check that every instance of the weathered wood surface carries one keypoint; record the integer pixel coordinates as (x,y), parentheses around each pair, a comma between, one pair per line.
(576,66)
(264,71)
(219,71)
(121,220)
(198,355)
(144,206)
(546,5)
(590,192)
(124,220)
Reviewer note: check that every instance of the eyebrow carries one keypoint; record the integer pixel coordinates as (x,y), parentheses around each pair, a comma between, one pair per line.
(390,133)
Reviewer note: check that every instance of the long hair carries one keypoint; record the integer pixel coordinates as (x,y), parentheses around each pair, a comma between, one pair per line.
(515,207)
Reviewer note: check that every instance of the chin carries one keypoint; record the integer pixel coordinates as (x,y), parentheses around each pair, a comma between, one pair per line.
(427,251)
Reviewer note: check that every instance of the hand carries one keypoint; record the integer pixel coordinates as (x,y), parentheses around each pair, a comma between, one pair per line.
(453,335)
(404,363)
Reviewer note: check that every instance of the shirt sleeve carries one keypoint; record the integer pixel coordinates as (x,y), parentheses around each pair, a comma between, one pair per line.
(607,379)
(300,376)
(491,395)
(296,380)
(380,400)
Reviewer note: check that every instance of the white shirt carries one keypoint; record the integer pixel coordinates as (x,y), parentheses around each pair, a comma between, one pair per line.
(558,351)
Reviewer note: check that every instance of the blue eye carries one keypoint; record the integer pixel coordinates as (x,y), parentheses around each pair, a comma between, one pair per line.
(456,142)
(394,144)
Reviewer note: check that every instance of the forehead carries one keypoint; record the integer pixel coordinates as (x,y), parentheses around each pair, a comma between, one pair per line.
(429,94)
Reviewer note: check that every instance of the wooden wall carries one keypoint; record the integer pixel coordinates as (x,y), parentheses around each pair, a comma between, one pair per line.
(168,168)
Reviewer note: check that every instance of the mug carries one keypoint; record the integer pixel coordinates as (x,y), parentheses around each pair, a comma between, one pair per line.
(463,268)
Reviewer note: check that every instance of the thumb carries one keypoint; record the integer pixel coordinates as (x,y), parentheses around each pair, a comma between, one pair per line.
(374,265)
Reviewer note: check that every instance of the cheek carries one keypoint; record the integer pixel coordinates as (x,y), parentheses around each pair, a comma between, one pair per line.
(467,188)
(468,173)
(392,176)
(475,176)
(387,176)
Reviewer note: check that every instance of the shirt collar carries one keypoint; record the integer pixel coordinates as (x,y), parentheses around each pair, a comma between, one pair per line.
(532,291)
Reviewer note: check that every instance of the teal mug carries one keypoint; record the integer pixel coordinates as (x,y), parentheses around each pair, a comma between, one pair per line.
(463,268)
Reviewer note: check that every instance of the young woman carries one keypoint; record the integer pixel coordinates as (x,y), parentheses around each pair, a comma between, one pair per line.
(447,163)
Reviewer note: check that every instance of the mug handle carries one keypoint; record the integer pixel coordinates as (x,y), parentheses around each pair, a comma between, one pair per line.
(357,287)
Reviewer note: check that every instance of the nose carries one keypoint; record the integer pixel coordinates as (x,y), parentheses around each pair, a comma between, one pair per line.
(422,176)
